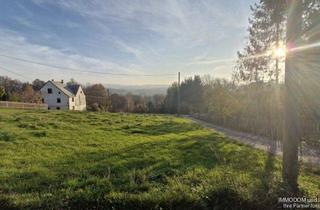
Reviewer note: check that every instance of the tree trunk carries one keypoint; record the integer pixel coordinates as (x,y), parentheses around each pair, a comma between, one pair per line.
(277,47)
(291,114)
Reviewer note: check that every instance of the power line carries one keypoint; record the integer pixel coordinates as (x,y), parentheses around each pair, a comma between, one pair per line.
(20,75)
(79,70)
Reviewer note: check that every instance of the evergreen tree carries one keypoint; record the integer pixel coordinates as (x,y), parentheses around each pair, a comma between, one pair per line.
(191,91)
(265,33)
(171,100)
(276,9)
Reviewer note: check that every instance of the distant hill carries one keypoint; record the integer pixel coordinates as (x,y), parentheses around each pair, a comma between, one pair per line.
(145,90)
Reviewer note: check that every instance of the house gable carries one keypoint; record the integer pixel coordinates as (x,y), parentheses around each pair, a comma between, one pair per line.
(79,91)
(54,96)
(69,97)
(50,84)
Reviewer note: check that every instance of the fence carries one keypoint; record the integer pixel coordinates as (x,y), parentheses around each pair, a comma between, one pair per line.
(19,105)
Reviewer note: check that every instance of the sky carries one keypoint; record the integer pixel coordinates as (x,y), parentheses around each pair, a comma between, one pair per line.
(145,41)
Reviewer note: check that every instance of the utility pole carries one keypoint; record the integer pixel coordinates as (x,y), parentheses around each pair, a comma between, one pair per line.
(178,91)
(292,134)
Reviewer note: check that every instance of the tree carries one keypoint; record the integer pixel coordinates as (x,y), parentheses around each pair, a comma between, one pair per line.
(292,134)
(310,106)
(171,100)
(136,103)
(276,9)
(28,95)
(191,91)
(265,32)
(150,107)
(220,100)
(37,84)
(72,82)
(12,87)
(97,97)
(118,103)
(158,102)
(2,92)
(191,95)
(311,21)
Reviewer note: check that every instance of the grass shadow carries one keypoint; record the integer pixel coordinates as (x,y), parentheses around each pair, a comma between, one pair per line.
(162,128)
(270,180)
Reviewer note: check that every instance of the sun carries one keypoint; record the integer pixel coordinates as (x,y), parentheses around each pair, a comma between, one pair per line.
(279,52)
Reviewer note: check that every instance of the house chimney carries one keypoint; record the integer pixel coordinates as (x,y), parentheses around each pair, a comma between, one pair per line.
(52,80)
(62,81)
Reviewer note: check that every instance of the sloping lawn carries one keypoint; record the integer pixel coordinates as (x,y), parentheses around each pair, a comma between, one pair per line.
(73,160)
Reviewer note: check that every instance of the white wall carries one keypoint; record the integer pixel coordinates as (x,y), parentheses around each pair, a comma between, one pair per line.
(80,100)
(51,99)
(72,104)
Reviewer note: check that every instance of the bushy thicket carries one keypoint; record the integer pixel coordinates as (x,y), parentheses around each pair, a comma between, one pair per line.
(15,90)
(256,108)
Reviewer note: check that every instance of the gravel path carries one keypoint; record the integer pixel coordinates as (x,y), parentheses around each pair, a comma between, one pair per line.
(308,154)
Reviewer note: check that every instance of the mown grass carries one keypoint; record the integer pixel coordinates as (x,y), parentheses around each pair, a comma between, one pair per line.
(72,160)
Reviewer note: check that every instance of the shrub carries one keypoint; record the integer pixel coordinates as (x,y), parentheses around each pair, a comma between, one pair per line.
(5,136)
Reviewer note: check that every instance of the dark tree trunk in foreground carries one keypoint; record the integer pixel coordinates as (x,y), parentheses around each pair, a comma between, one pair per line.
(291,116)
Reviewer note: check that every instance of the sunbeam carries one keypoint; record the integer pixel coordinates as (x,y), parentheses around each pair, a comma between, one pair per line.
(304,47)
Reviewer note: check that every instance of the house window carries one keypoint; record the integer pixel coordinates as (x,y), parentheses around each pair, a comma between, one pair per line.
(72,99)
(59,92)
(42,100)
(58,108)
(49,90)
(58,100)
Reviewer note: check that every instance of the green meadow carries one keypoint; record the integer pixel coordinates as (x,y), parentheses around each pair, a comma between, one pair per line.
(74,160)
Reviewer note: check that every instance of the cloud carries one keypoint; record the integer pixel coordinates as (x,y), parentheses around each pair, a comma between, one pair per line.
(206,60)
(128,49)
(179,22)
(23,21)
(12,44)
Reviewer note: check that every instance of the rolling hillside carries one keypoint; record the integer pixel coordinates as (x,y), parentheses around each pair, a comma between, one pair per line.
(144,90)
(73,160)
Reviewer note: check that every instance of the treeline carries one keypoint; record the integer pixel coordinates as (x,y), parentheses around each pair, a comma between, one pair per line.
(15,90)
(97,97)
(255,108)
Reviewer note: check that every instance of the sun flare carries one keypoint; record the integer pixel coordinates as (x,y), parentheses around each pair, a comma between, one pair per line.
(279,52)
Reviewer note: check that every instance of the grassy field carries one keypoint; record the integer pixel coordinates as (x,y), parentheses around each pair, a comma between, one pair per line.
(72,160)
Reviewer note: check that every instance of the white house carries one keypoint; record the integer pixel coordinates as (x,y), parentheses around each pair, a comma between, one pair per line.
(60,96)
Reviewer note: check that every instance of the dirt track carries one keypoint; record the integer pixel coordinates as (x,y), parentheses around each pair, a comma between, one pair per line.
(309,155)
